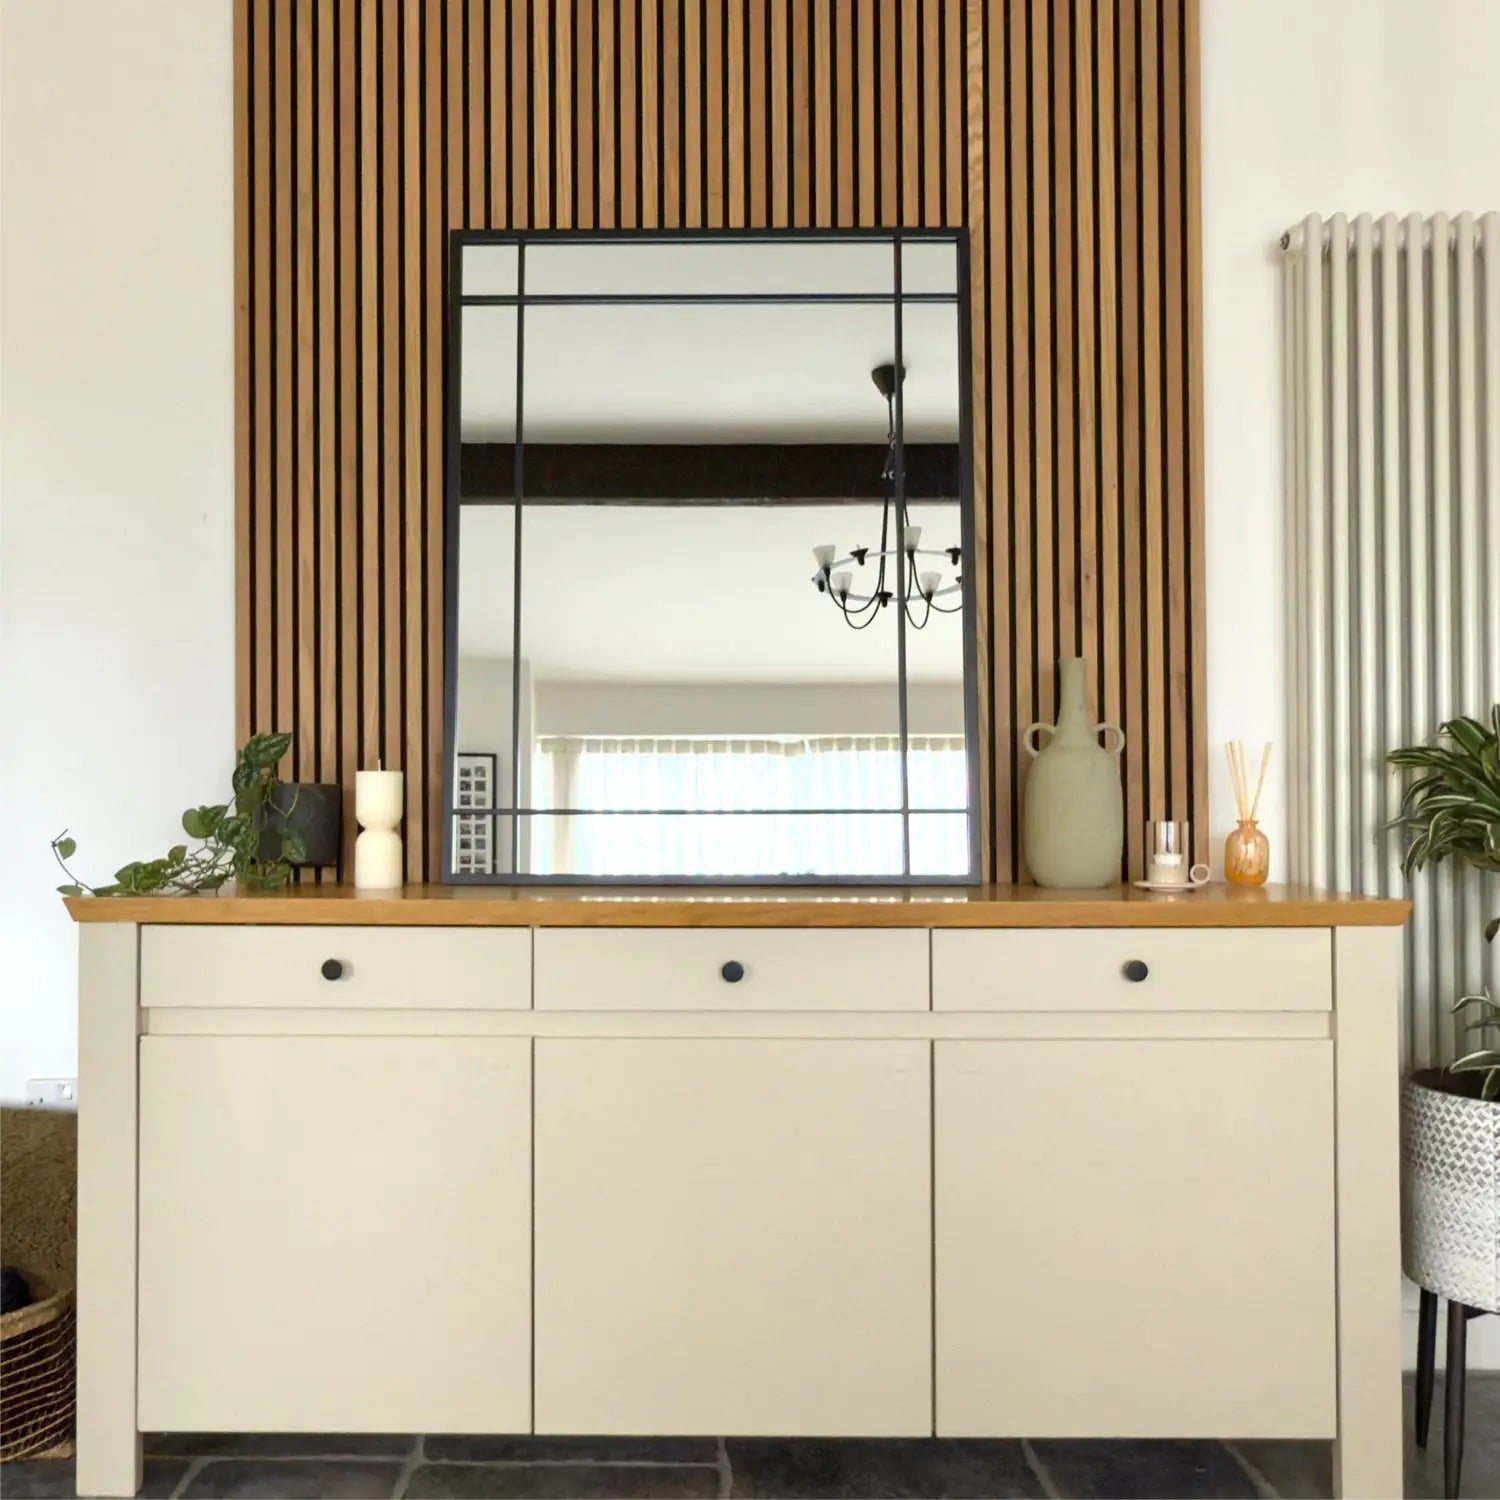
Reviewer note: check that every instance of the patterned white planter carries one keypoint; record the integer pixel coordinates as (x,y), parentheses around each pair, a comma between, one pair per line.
(1450,1198)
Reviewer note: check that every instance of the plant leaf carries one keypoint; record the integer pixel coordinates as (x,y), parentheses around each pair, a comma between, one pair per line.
(70,890)
(66,847)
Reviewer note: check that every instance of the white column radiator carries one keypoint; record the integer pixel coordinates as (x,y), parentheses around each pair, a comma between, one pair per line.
(1392,379)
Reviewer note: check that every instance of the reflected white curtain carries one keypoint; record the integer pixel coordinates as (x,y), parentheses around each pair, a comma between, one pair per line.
(693,807)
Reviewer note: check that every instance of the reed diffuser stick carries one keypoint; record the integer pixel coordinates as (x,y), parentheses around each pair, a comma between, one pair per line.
(1265,765)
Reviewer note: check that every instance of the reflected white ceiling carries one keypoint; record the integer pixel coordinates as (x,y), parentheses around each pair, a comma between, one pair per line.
(689,594)
(712,373)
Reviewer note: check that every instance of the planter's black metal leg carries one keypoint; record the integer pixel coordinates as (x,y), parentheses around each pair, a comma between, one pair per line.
(1453,1399)
(1426,1361)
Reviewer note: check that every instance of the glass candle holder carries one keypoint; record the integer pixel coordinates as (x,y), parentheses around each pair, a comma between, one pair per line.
(1247,855)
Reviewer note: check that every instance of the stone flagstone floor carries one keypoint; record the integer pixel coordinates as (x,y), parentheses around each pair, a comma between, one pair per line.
(230,1467)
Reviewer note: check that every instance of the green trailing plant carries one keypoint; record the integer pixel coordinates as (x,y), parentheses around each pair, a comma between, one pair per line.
(236,840)
(1452,811)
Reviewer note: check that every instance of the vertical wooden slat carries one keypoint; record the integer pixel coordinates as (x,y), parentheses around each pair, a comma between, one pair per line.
(1064,349)
(607,115)
(1194,549)
(628,119)
(693,112)
(781,123)
(1153,626)
(985,117)
(844,93)
(823,112)
(543,210)
(1065,134)
(910,97)
(801,44)
(1043,522)
(868,143)
(348,419)
(326,608)
(1133,714)
(259,645)
(735,113)
(934,113)
(1087,409)
(434,278)
(392,622)
(586,145)
(476,46)
(650,113)
(1019,374)
(305,497)
(563,147)
(1178,657)
(457,156)
(715,113)
(1110,569)
(413,279)
(954,64)
(672,79)
(519,88)
(285,365)
(757,108)
(497,29)
(889,112)
(244,682)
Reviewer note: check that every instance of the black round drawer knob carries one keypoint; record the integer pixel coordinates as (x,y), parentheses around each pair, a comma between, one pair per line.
(733,972)
(332,969)
(1136,970)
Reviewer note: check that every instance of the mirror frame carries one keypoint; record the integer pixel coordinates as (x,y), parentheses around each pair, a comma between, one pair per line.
(461,239)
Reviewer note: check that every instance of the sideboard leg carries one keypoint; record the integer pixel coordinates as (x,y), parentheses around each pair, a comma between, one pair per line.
(109,1445)
(1367,1453)
(1426,1362)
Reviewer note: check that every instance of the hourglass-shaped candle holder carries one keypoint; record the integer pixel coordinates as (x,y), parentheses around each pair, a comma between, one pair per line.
(378,805)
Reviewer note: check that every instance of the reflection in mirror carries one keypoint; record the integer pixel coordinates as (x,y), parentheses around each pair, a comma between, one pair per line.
(688,686)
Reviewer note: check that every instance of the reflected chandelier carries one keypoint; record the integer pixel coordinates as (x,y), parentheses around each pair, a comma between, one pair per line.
(834,579)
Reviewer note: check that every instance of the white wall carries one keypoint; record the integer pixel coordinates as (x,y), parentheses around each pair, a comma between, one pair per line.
(117,463)
(1308,106)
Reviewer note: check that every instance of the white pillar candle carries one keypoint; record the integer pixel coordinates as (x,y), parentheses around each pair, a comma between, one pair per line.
(378,805)
(378,801)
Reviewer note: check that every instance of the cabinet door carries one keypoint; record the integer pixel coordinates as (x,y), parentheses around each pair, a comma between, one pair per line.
(1135,1238)
(733,1236)
(335,1234)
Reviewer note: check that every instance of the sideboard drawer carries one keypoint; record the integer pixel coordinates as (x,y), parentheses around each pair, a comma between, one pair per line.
(580,968)
(383,968)
(1151,968)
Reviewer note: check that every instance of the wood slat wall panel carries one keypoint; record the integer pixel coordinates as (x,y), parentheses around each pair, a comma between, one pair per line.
(1062,135)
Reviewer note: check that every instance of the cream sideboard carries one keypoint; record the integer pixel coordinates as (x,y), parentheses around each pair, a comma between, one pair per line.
(996,1162)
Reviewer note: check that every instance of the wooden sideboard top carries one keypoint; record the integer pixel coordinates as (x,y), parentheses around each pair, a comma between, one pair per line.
(753,906)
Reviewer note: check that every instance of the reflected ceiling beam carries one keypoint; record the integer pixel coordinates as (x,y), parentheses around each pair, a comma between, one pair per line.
(691,473)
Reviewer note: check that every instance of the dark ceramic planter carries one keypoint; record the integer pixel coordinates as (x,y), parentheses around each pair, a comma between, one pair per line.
(311,809)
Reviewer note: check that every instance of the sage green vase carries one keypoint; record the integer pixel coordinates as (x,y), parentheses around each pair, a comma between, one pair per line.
(1073,818)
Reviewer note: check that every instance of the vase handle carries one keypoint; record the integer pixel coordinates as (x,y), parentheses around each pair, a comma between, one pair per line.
(1118,733)
(1026,743)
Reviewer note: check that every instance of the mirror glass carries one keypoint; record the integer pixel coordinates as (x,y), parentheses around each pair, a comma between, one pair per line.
(686,470)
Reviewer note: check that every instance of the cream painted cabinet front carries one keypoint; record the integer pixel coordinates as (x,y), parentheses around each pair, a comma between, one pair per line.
(335,1234)
(733,1236)
(1135,1238)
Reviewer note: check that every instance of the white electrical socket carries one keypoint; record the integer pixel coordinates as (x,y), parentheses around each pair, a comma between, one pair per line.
(52,1093)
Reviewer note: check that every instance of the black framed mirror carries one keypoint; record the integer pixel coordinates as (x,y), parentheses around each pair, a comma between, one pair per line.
(710,616)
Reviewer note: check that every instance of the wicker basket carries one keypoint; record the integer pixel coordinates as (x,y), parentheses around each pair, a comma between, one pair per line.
(36,1375)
